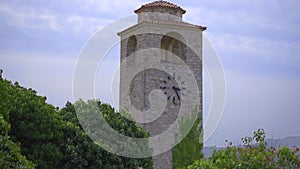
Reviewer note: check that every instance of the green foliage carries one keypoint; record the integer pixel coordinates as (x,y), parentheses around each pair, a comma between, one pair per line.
(252,155)
(10,155)
(189,149)
(35,124)
(116,121)
(54,139)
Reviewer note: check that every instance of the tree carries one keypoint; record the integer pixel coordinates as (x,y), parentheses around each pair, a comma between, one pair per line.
(35,124)
(54,139)
(10,155)
(116,121)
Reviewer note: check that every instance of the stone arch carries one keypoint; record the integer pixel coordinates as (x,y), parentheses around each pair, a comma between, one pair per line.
(131,45)
(175,43)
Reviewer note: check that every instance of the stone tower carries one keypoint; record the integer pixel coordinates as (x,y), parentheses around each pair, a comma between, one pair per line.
(174,45)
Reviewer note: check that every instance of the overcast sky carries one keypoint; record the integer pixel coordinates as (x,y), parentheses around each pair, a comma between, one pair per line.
(257,41)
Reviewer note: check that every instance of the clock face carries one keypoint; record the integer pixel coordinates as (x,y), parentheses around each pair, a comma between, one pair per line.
(140,87)
(171,89)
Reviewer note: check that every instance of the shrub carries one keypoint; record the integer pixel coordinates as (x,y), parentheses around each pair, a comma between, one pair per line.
(253,154)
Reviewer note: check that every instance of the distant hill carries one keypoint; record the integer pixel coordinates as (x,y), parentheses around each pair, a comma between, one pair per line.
(292,141)
(207,151)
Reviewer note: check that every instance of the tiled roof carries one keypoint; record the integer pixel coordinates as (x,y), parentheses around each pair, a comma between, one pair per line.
(160,4)
(181,24)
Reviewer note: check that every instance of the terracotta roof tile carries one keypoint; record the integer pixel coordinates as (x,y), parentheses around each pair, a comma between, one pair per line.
(160,4)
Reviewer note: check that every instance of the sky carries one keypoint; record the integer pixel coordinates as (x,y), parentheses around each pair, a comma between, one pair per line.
(258,43)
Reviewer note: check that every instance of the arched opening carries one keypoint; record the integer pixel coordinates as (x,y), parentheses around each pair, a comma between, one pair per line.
(175,43)
(131,45)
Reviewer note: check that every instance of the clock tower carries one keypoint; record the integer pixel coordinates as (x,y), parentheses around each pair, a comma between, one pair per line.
(161,71)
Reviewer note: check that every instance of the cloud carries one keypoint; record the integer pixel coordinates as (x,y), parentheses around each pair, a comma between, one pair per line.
(81,24)
(276,55)
(74,18)
(108,5)
(254,38)
(254,19)
(256,54)
(28,18)
(253,46)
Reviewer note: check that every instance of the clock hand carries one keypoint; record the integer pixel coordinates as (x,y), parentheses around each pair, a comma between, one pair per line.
(177,94)
(174,100)
(175,88)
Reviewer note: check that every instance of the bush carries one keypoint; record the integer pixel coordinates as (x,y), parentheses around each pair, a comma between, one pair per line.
(253,154)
